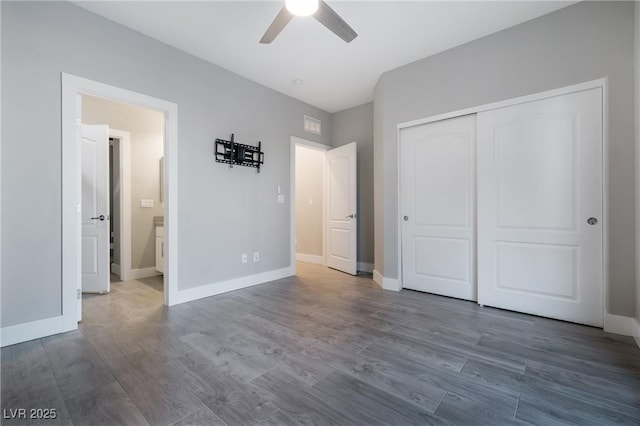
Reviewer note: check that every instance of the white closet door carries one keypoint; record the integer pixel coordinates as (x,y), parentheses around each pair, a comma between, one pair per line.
(437,178)
(540,207)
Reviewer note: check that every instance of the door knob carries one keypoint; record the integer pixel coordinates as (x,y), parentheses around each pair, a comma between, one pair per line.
(592,221)
(101,217)
(352,216)
(406,218)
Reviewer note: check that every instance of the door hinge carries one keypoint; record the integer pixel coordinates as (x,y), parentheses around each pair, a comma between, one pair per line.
(79,293)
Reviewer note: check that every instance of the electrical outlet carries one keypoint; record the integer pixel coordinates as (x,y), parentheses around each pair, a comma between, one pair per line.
(256,256)
(244,258)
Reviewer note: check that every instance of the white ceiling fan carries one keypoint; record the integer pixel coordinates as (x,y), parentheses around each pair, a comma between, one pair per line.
(319,9)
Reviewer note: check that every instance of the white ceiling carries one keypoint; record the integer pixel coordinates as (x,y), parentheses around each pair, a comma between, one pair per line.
(336,75)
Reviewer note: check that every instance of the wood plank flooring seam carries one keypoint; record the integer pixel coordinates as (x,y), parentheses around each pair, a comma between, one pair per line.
(64,400)
(263,373)
(124,388)
(191,414)
(578,394)
(365,347)
(446,392)
(558,401)
(131,398)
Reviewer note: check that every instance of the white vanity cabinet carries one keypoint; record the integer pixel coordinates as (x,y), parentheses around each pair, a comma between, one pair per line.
(160,249)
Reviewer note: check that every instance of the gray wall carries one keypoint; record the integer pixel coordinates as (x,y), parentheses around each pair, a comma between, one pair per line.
(222,212)
(309,188)
(637,129)
(356,124)
(583,42)
(146,128)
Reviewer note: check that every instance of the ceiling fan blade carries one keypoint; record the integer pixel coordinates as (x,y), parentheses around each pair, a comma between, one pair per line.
(280,21)
(330,19)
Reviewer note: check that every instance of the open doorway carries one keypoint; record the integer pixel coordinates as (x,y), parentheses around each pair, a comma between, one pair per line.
(72,134)
(310,203)
(318,172)
(135,219)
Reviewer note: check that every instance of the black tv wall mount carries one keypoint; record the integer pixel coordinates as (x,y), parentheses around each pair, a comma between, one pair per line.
(233,153)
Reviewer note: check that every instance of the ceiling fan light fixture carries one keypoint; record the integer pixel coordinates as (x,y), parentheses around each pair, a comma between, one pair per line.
(320,10)
(302,7)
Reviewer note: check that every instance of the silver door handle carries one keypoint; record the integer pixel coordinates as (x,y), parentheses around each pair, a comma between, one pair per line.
(592,221)
(352,216)
(101,217)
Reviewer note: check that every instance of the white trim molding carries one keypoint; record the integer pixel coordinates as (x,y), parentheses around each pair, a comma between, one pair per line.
(33,330)
(365,267)
(636,331)
(391,284)
(115,269)
(593,84)
(124,148)
(310,258)
(200,292)
(378,278)
(136,274)
(72,87)
(618,324)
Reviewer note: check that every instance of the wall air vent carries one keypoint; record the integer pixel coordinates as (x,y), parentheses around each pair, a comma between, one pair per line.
(312,125)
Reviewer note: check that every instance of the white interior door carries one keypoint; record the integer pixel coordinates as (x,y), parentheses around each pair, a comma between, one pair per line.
(540,192)
(437,179)
(94,142)
(342,198)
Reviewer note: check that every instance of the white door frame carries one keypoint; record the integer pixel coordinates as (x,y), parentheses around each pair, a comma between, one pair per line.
(72,87)
(296,141)
(600,83)
(124,150)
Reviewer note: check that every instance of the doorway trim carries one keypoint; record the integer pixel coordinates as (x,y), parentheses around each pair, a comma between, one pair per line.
(124,150)
(296,141)
(72,87)
(610,320)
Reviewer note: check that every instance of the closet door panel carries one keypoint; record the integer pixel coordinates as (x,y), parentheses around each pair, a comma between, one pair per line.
(540,192)
(437,178)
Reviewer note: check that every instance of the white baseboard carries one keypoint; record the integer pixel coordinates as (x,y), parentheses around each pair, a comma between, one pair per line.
(32,330)
(115,268)
(377,278)
(619,325)
(391,284)
(365,267)
(310,258)
(144,273)
(636,331)
(19,333)
(200,292)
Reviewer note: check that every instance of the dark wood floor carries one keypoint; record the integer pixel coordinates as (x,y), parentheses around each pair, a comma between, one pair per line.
(321,348)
